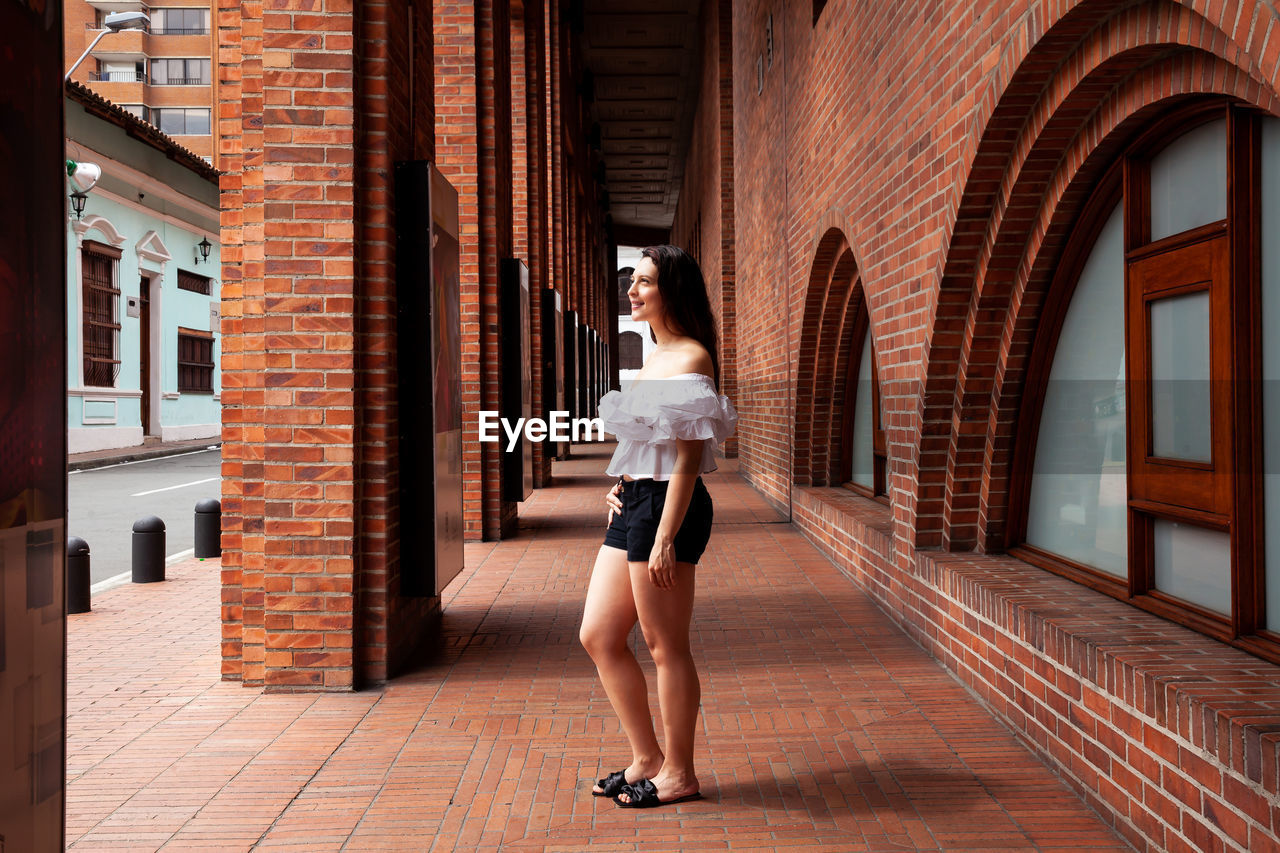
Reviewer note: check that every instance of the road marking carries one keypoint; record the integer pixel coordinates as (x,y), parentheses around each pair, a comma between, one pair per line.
(171,488)
(125,577)
(140,461)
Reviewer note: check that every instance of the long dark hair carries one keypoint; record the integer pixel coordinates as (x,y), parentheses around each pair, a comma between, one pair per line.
(684,294)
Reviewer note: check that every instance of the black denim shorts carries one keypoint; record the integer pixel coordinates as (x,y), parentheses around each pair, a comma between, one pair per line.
(637,526)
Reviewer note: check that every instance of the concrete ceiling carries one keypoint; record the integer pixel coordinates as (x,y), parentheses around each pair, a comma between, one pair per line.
(643,56)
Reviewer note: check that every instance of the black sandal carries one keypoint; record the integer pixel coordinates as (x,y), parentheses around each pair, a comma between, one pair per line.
(611,784)
(644,795)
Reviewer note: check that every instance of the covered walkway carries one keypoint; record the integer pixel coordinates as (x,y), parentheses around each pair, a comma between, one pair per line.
(823,724)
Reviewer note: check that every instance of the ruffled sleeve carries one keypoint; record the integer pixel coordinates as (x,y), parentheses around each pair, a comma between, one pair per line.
(659,410)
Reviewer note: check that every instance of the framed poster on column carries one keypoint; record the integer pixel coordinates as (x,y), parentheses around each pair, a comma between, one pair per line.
(446,353)
(33,420)
(570,365)
(599,390)
(517,376)
(552,355)
(584,364)
(429,390)
(589,390)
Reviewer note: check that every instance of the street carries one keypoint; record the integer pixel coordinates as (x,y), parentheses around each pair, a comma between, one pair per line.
(103,504)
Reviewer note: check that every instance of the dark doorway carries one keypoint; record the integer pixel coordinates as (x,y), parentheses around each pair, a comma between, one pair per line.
(144,349)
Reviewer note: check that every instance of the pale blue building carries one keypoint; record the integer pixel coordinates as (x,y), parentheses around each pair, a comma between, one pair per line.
(143,262)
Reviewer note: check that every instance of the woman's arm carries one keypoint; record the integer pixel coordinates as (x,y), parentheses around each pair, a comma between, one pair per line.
(662,559)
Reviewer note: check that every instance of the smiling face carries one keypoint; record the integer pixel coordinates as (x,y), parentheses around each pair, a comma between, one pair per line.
(646,300)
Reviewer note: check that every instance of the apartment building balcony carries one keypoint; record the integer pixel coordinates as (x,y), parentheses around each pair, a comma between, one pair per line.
(122,87)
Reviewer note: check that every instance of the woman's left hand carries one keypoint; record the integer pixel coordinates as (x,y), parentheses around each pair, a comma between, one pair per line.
(662,563)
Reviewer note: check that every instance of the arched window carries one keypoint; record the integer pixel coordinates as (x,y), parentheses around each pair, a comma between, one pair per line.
(1141,443)
(862,456)
(630,351)
(839,438)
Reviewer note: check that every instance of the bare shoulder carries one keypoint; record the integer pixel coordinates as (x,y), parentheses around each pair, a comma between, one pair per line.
(691,357)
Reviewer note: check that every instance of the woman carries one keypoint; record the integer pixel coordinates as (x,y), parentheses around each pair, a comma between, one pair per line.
(668,424)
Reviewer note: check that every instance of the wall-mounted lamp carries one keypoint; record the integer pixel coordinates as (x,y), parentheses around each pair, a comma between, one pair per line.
(203,248)
(84,177)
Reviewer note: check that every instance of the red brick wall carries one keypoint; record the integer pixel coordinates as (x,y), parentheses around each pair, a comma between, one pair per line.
(706,196)
(765,303)
(699,206)
(951,147)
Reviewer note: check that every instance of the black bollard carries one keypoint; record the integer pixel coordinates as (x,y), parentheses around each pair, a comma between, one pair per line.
(77,575)
(148,550)
(208,529)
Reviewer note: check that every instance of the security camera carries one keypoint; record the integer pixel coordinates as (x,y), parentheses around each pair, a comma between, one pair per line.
(84,176)
(118,21)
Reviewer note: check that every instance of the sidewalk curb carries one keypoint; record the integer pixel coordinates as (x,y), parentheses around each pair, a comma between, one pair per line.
(139,454)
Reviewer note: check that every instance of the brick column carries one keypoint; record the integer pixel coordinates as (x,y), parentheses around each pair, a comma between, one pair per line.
(529,32)
(289,400)
(394,123)
(457,158)
(308,124)
(239,70)
(557,251)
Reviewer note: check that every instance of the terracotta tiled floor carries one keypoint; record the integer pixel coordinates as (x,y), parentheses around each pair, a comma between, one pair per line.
(823,726)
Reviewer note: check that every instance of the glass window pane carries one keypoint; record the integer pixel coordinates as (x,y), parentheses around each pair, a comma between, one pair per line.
(159,72)
(1194,564)
(1189,181)
(171,121)
(1271,364)
(1180,377)
(198,122)
(1079,490)
(863,426)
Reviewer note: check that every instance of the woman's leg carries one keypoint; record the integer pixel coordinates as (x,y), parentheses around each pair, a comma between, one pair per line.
(664,618)
(607,619)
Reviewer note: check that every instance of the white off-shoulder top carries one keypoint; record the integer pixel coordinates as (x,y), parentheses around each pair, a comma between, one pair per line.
(650,415)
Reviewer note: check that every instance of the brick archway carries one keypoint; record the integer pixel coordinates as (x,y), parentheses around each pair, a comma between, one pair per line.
(833,302)
(1033,170)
